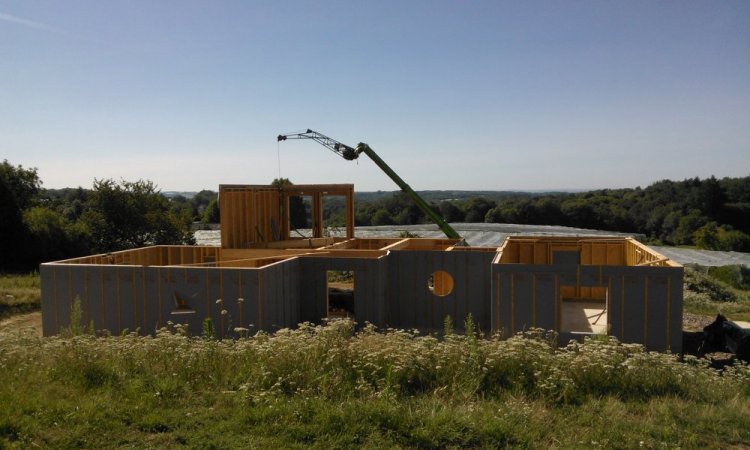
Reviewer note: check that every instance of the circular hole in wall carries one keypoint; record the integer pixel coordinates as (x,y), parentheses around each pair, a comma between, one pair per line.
(440,283)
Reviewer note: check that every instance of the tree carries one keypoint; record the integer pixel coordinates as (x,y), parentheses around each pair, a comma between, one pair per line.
(211,213)
(14,235)
(451,212)
(19,189)
(687,225)
(54,236)
(133,214)
(183,207)
(299,214)
(707,236)
(23,184)
(381,217)
(477,208)
(735,240)
(200,202)
(580,213)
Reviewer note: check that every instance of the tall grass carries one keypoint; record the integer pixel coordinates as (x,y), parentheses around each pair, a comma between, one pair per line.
(717,290)
(329,386)
(19,293)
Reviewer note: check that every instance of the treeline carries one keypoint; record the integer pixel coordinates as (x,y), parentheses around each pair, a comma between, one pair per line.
(38,225)
(711,214)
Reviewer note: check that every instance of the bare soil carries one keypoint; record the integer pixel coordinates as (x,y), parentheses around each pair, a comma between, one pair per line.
(695,322)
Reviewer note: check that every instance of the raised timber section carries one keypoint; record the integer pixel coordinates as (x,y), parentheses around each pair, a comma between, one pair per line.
(247,214)
(637,254)
(258,216)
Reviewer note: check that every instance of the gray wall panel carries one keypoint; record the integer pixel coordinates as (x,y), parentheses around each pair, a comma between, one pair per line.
(63,293)
(522,283)
(229,293)
(108,278)
(657,319)
(675,310)
(212,294)
(150,295)
(96,304)
(126,298)
(49,306)
(633,308)
(615,306)
(544,302)
(506,296)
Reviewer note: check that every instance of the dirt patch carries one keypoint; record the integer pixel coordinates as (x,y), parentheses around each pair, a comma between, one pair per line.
(695,322)
(21,322)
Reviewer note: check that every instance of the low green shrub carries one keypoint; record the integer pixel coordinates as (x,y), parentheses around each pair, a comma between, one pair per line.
(698,281)
(736,275)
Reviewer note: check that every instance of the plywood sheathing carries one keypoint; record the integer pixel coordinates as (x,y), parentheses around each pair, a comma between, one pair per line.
(253,216)
(247,214)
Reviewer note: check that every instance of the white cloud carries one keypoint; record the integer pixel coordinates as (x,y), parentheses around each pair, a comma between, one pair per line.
(28,23)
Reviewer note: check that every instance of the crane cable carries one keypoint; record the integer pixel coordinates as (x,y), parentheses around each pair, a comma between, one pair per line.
(278,157)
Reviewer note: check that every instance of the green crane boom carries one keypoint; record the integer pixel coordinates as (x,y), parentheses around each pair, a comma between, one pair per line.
(350,154)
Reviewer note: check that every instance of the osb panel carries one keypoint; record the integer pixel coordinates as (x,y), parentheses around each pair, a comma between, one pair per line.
(246,215)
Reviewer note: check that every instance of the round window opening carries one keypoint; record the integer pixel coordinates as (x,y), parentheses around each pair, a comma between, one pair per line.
(440,283)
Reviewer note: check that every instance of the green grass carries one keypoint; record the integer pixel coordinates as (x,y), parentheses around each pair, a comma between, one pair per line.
(19,293)
(717,290)
(331,387)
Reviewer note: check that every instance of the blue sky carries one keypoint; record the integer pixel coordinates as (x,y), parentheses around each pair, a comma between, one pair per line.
(497,95)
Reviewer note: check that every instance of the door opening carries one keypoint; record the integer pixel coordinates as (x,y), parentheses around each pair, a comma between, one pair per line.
(340,288)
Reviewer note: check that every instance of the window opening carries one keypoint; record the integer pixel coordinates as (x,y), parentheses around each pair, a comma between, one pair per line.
(334,215)
(300,216)
(440,283)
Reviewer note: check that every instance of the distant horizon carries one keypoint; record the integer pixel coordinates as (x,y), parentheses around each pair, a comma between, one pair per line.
(395,189)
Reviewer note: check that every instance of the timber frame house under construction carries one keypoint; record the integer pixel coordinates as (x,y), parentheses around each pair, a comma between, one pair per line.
(264,278)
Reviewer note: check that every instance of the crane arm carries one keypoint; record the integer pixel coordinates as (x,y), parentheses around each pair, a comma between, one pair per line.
(350,153)
(335,146)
